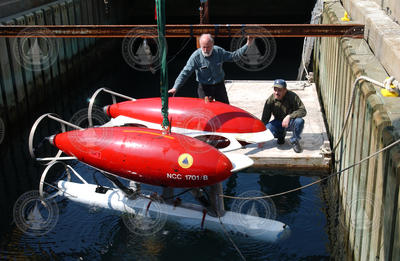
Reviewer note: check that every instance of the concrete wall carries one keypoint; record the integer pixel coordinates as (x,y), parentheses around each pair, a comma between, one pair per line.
(390,7)
(381,18)
(365,198)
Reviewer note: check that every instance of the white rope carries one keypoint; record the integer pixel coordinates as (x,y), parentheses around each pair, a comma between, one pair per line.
(365,78)
(308,44)
(385,85)
(230,239)
(318,181)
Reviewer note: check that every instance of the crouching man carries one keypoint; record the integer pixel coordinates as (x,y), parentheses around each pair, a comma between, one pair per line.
(288,111)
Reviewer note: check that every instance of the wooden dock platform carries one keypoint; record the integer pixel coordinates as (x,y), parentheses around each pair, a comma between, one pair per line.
(251,96)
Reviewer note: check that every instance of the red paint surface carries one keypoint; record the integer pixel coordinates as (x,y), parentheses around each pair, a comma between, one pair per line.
(191,113)
(147,155)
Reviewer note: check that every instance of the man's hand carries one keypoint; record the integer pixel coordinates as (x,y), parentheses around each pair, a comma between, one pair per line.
(250,40)
(285,122)
(172,91)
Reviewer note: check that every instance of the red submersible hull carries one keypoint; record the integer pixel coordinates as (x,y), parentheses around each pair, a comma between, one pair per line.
(190,113)
(147,155)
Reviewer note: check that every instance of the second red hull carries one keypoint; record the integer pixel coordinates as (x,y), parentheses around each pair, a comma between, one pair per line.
(190,113)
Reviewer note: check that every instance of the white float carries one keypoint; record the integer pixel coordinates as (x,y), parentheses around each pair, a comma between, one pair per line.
(246,225)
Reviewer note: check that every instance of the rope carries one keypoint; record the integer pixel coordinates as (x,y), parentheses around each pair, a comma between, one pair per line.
(315,182)
(351,104)
(180,50)
(309,41)
(230,239)
(177,195)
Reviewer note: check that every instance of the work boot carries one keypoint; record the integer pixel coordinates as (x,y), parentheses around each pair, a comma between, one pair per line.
(296,146)
(281,140)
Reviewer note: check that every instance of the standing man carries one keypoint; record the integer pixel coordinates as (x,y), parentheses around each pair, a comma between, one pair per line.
(207,63)
(288,111)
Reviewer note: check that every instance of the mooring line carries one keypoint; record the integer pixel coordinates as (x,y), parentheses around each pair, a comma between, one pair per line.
(315,182)
(350,107)
(230,239)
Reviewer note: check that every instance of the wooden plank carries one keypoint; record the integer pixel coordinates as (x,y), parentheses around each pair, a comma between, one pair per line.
(7,88)
(95,7)
(72,21)
(391,191)
(332,82)
(67,42)
(78,20)
(345,84)
(382,169)
(362,151)
(380,121)
(84,18)
(56,10)
(42,79)
(55,83)
(81,42)
(101,7)
(396,243)
(353,187)
(16,70)
(91,19)
(33,74)
(352,173)
(48,19)
(348,134)
(356,188)
(75,56)
(363,220)
(348,138)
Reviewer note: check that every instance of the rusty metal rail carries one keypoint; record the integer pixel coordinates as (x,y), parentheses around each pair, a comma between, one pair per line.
(219,30)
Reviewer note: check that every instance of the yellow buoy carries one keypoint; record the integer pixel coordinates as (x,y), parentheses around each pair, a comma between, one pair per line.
(345,18)
(387,93)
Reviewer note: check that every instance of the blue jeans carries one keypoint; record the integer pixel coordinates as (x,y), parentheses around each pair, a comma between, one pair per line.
(296,125)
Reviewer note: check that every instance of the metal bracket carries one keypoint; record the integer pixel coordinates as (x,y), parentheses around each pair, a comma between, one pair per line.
(94,96)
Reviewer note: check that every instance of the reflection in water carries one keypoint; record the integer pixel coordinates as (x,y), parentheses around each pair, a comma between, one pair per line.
(84,233)
(276,184)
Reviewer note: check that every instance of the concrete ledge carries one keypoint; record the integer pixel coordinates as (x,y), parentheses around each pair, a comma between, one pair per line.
(382,32)
(391,8)
(364,62)
(251,96)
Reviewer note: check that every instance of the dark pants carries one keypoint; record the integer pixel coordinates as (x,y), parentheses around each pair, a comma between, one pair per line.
(296,125)
(216,91)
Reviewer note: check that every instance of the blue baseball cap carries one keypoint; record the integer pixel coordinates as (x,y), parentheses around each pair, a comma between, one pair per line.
(279,83)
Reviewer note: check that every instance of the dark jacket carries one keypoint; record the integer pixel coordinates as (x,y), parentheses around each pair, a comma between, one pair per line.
(289,105)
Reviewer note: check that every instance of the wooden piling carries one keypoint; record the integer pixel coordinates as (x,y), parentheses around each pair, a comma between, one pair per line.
(369,198)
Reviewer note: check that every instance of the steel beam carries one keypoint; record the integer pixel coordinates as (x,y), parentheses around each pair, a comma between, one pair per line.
(219,30)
